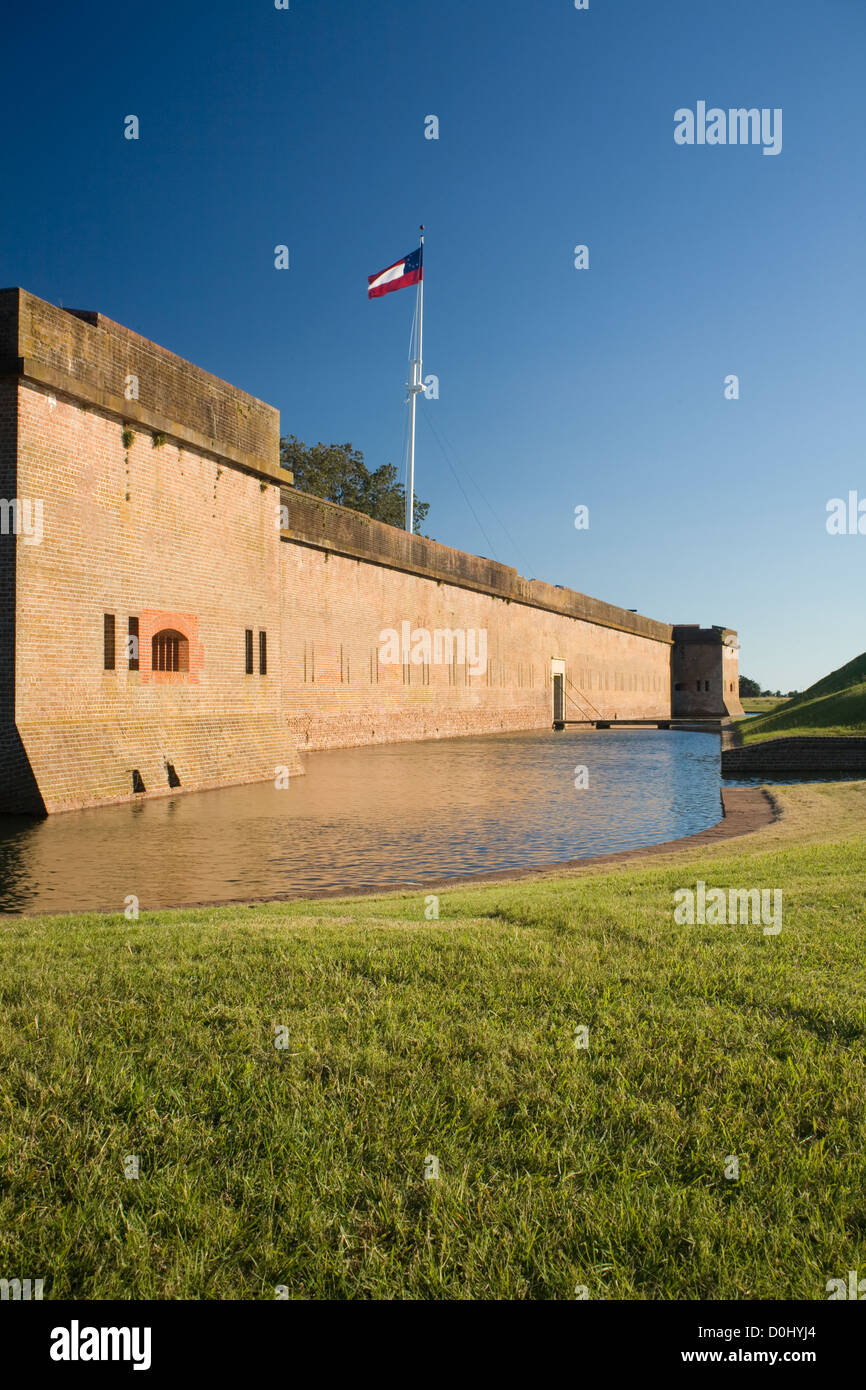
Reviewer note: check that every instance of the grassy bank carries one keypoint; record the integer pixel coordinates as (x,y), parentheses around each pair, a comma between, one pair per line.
(559,1166)
(833,706)
(762,704)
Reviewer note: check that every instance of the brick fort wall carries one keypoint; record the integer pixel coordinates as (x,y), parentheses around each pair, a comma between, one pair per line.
(261,615)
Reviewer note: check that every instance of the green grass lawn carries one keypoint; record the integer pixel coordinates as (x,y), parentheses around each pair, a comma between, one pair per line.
(762,704)
(559,1166)
(833,706)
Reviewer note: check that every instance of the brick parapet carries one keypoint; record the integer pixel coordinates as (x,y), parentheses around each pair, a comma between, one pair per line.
(338,530)
(89,358)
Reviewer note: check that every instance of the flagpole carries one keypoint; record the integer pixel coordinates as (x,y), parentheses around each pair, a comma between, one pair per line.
(413,392)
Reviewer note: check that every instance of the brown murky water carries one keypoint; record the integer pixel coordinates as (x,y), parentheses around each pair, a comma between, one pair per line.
(375,816)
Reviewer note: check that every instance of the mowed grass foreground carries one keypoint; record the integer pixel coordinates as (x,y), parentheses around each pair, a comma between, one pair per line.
(407,1038)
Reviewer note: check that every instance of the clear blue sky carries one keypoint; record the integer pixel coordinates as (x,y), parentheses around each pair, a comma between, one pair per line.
(604,387)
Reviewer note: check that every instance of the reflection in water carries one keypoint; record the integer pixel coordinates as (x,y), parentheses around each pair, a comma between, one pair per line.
(364,817)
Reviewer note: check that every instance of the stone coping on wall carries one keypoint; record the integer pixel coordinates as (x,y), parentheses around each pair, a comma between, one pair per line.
(338,530)
(88,357)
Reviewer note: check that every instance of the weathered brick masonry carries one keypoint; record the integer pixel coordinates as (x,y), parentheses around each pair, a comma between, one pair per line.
(796,756)
(184,528)
(259,632)
(347,578)
(705,660)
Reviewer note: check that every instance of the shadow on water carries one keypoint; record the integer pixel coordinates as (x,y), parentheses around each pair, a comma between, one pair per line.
(373,816)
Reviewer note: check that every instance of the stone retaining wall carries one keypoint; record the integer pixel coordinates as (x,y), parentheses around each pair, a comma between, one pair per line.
(794,756)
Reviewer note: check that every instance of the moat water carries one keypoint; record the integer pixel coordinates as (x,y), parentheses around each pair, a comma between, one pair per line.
(405,813)
(371,818)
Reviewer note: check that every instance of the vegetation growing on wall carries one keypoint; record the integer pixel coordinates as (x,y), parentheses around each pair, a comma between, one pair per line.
(338,473)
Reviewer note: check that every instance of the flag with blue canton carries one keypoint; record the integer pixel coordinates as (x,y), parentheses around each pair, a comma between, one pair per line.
(409,271)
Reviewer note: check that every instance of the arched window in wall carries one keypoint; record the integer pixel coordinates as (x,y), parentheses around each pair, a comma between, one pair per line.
(169,651)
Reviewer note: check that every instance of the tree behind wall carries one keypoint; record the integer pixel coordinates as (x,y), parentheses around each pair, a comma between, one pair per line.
(338,472)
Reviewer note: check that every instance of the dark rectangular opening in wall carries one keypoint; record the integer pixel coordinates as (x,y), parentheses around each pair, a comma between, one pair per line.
(173,779)
(108,641)
(137,783)
(263,653)
(132,644)
(248,646)
(558,698)
(169,651)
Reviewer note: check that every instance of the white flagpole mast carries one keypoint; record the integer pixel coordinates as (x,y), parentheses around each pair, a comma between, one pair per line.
(415,387)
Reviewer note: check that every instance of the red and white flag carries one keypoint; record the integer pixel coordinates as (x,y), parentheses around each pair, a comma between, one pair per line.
(402,273)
